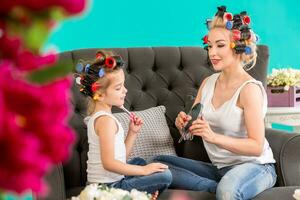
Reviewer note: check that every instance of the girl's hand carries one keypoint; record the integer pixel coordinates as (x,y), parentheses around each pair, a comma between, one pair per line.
(201,127)
(182,120)
(135,123)
(154,167)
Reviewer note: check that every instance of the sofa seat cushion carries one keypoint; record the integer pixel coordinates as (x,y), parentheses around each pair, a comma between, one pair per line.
(73,192)
(278,193)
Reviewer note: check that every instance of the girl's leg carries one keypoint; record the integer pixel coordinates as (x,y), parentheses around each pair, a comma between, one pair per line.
(154,182)
(151,183)
(137,161)
(190,174)
(245,181)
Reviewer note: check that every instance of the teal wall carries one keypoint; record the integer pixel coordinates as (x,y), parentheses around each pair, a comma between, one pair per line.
(136,23)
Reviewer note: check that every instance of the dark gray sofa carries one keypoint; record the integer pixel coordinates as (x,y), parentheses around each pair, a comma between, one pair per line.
(167,76)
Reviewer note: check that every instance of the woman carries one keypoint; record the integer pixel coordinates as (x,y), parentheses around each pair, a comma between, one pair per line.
(232,122)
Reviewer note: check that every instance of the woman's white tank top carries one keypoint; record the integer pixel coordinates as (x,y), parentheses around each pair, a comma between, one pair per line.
(229,120)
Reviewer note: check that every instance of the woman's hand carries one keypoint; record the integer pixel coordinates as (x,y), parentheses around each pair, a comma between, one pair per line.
(135,123)
(200,127)
(182,120)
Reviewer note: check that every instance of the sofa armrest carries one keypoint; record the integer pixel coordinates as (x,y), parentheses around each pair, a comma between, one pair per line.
(286,151)
(56,185)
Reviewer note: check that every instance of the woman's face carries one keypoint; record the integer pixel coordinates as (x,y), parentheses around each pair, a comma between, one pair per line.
(220,53)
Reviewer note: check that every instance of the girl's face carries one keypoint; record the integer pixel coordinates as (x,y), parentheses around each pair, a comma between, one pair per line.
(220,53)
(115,93)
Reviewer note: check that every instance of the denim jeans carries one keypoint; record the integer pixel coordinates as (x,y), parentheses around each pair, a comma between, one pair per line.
(243,181)
(150,183)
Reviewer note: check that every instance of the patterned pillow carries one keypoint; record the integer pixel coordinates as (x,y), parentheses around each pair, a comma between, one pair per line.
(154,137)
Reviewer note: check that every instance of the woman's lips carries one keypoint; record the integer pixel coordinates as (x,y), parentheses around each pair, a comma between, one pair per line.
(214,61)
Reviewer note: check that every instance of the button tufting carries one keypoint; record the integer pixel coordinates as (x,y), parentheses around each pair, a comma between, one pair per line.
(180,67)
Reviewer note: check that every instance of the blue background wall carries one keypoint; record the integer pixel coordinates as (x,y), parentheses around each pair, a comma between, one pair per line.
(136,23)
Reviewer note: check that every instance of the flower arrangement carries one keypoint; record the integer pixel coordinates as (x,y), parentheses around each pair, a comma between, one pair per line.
(34,94)
(285,77)
(102,192)
(296,194)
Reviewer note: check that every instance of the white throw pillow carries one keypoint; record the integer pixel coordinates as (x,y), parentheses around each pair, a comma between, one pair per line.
(154,137)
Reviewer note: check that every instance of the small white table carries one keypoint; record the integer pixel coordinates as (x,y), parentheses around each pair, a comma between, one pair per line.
(289,116)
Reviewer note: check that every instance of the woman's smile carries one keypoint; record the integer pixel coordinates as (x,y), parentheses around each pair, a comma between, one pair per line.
(215,61)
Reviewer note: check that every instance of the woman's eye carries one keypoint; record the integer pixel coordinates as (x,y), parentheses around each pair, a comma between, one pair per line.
(221,45)
(209,46)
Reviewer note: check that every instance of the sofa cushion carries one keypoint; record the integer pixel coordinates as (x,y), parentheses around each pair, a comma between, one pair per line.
(154,137)
(278,193)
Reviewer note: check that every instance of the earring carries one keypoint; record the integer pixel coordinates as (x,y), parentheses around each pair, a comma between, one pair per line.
(96,97)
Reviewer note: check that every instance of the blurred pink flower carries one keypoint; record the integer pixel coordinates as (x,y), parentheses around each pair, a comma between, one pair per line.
(34,121)
(9,47)
(28,61)
(179,195)
(70,6)
(34,131)
(20,157)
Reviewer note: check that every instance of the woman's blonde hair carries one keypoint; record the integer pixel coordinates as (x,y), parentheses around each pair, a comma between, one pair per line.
(246,44)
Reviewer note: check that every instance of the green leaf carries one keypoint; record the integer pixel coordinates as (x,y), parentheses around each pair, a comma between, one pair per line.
(2,196)
(36,35)
(57,14)
(58,70)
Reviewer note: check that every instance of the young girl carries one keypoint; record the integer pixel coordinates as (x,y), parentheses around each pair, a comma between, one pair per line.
(103,81)
(232,121)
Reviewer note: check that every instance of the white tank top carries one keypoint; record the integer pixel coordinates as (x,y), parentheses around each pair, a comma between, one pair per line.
(229,120)
(95,171)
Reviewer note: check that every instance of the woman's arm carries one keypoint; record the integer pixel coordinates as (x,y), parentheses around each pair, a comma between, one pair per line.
(199,94)
(182,118)
(252,103)
(106,128)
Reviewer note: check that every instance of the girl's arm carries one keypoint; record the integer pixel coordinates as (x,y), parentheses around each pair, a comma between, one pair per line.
(134,127)
(129,142)
(106,128)
(252,103)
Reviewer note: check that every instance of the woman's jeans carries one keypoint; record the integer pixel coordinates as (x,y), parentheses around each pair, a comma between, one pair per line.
(150,183)
(242,181)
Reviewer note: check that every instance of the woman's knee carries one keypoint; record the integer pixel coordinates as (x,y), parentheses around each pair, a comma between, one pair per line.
(226,190)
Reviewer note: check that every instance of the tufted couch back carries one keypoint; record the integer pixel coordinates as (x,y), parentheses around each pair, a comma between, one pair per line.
(154,76)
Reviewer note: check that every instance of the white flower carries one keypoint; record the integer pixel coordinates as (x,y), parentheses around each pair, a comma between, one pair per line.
(137,195)
(297,194)
(118,193)
(90,192)
(284,77)
(99,192)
